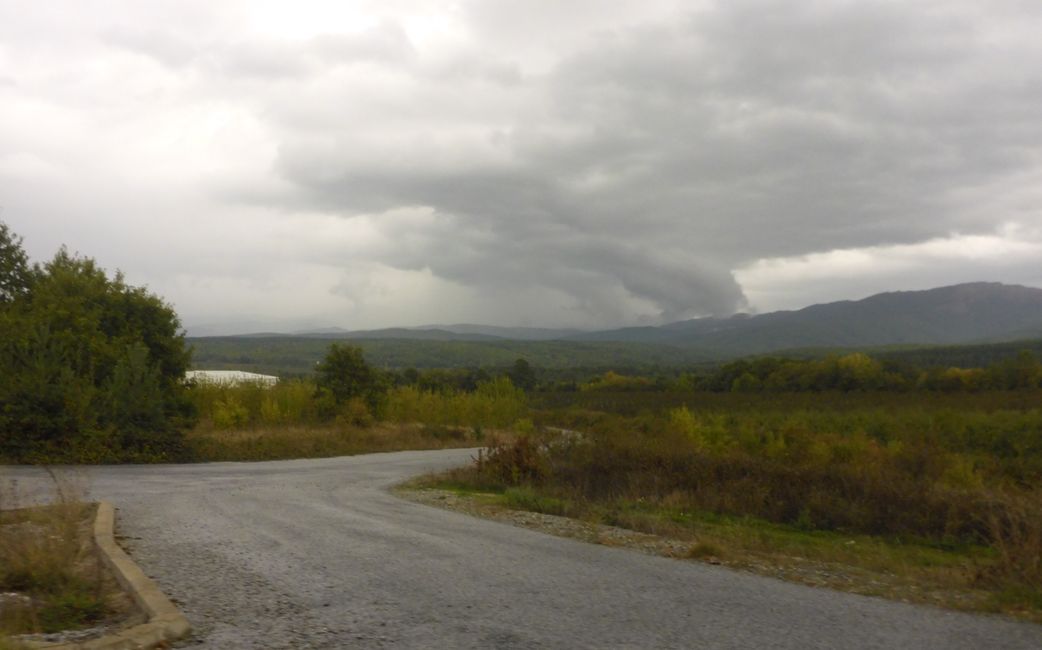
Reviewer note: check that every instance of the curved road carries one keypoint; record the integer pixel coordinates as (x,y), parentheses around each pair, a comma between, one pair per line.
(317,554)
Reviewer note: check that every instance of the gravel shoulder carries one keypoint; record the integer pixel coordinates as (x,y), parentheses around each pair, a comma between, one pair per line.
(801,570)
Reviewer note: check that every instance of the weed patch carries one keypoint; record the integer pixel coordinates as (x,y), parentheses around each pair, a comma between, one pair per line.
(704,550)
(527,499)
(50,575)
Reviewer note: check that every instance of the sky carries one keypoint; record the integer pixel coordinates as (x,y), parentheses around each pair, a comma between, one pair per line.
(269,165)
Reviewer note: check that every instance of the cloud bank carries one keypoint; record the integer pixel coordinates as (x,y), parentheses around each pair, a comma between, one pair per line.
(366,164)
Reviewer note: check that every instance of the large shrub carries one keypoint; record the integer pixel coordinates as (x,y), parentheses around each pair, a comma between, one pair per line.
(91,368)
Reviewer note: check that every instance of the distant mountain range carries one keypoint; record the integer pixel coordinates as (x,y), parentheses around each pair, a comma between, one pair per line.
(509,333)
(966,313)
(406,333)
(463,332)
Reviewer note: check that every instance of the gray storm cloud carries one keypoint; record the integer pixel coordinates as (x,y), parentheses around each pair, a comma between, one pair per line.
(661,156)
(624,163)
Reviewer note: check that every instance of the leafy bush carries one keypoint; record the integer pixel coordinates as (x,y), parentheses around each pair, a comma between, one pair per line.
(229,413)
(355,412)
(90,367)
(512,463)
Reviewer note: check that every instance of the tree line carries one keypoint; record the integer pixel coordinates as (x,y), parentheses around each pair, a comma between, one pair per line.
(861,372)
(836,372)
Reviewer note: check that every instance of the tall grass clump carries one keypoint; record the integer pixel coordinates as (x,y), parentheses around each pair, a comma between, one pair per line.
(1015,531)
(48,571)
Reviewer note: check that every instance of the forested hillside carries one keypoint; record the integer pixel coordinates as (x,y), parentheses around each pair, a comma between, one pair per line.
(966,313)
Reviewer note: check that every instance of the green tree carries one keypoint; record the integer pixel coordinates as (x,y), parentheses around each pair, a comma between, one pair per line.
(135,403)
(45,404)
(90,368)
(77,300)
(746,382)
(860,371)
(522,375)
(15,273)
(345,375)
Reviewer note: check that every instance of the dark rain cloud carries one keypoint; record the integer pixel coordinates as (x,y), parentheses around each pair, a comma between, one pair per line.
(662,156)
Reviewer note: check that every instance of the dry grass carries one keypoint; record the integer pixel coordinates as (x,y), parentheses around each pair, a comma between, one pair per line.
(50,575)
(1015,526)
(320,441)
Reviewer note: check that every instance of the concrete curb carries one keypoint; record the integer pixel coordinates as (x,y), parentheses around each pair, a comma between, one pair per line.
(165,622)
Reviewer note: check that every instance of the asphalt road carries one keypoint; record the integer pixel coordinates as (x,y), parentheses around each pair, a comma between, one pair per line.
(317,554)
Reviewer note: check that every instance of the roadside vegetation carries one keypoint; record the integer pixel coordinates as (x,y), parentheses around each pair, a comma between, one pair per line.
(936,498)
(349,408)
(50,576)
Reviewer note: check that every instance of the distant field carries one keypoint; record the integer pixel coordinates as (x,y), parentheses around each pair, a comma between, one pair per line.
(283,355)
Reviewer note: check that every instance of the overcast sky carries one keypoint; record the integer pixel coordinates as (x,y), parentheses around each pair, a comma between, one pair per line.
(283,165)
